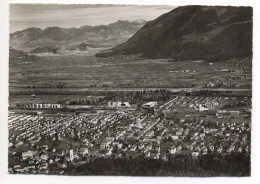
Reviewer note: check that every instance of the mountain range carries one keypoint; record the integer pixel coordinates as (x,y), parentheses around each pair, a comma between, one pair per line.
(193,32)
(61,38)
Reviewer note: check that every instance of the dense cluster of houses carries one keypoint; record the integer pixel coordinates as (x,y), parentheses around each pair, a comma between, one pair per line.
(54,142)
(212,104)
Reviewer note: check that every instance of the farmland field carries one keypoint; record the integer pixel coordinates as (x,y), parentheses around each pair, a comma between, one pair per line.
(82,71)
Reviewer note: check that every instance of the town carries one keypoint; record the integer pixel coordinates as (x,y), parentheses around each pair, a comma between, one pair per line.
(130,90)
(180,125)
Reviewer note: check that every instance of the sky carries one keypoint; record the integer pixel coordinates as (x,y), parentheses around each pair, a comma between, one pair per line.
(23,16)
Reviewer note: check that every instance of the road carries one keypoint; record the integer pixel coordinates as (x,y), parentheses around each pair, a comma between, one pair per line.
(149,128)
(158,120)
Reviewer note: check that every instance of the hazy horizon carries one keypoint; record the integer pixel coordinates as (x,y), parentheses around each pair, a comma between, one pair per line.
(24,16)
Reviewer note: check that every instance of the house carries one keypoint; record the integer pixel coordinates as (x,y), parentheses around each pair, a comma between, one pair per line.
(62,166)
(133,148)
(164,157)
(29,154)
(84,151)
(179,147)
(219,150)
(195,154)
(147,154)
(175,137)
(211,148)
(19,144)
(43,166)
(208,104)
(210,85)
(202,108)
(71,155)
(173,150)
(215,103)
(234,113)
(44,156)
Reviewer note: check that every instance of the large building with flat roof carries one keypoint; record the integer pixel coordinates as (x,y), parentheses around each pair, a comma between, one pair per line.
(149,105)
(118,104)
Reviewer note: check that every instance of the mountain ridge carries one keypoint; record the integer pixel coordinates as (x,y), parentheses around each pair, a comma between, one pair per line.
(192,32)
(114,33)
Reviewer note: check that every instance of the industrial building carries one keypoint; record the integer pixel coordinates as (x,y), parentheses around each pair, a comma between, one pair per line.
(149,105)
(118,104)
(43,106)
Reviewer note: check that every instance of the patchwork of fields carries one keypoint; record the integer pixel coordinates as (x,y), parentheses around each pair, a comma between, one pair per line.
(81,71)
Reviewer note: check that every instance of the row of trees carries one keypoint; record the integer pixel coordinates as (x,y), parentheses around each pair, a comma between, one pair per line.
(208,165)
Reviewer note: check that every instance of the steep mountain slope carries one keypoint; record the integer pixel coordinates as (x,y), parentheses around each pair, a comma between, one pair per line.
(193,32)
(111,35)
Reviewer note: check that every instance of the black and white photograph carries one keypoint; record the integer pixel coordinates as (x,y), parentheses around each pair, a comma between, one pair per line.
(130,90)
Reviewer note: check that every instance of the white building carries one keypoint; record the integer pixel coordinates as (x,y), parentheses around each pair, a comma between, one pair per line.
(149,105)
(29,154)
(202,108)
(71,155)
(118,104)
(43,106)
